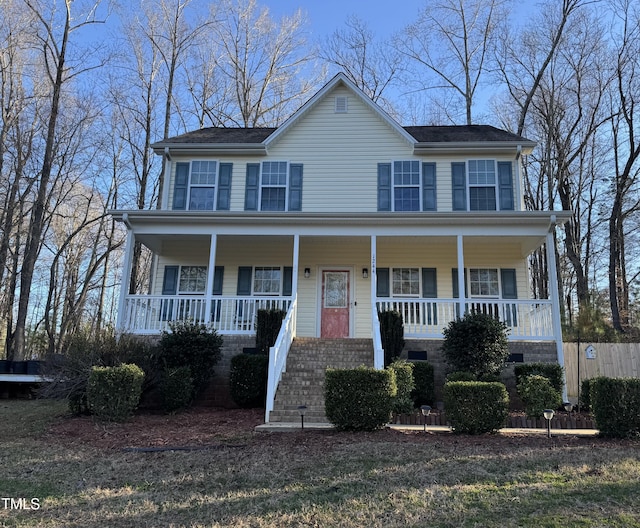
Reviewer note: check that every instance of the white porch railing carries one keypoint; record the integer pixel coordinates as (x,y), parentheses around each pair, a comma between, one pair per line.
(151,314)
(278,356)
(426,318)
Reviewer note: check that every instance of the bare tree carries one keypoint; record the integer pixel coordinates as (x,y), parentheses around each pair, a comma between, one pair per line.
(625,109)
(452,40)
(373,66)
(262,61)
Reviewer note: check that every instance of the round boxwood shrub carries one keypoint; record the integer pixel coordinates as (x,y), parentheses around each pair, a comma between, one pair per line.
(403,403)
(193,345)
(552,371)
(248,379)
(359,399)
(423,379)
(537,393)
(176,388)
(113,393)
(476,407)
(476,343)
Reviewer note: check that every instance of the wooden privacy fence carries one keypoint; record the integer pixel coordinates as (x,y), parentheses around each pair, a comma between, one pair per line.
(614,360)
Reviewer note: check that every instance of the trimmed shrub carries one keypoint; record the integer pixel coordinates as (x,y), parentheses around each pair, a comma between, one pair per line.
(552,371)
(423,379)
(193,345)
(248,379)
(359,399)
(476,343)
(268,325)
(176,388)
(461,375)
(615,403)
(113,393)
(537,394)
(403,403)
(585,395)
(476,407)
(392,334)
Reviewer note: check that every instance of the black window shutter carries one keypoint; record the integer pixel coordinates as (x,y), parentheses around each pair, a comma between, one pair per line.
(287,281)
(224,187)
(384,186)
(295,187)
(459,186)
(505,179)
(509,284)
(244,280)
(252,187)
(429,198)
(180,186)
(382,282)
(218,275)
(429,283)
(170,280)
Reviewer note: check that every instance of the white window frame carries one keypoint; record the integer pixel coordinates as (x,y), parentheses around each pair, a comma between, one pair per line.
(191,185)
(495,185)
(402,186)
(405,295)
(186,292)
(285,186)
(280,270)
(498,280)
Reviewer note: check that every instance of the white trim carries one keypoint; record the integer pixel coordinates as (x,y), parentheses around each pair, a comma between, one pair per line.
(210,276)
(462,296)
(555,312)
(319,271)
(126,278)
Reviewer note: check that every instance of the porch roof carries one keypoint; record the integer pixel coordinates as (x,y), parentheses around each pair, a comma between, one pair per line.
(530,226)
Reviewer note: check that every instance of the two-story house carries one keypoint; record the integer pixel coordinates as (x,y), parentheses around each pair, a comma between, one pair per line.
(335,215)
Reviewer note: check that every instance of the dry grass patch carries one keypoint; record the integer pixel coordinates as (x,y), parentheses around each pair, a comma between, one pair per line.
(323,479)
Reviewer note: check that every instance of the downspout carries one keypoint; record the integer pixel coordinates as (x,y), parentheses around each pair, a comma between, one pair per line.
(555,301)
(518,177)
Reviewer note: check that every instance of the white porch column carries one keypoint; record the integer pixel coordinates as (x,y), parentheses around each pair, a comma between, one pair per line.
(294,272)
(210,275)
(124,283)
(372,274)
(461,286)
(378,351)
(555,303)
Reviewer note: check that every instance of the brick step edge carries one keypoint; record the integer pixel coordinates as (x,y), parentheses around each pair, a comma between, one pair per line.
(560,421)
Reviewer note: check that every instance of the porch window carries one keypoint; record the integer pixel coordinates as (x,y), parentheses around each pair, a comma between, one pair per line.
(193,279)
(406,282)
(267,281)
(483,282)
(406,185)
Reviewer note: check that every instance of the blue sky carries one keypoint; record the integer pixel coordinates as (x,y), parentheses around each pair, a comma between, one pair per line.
(325,16)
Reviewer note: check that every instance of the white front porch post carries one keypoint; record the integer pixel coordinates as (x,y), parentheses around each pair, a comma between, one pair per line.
(555,303)
(378,351)
(124,284)
(294,272)
(461,289)
(210,276)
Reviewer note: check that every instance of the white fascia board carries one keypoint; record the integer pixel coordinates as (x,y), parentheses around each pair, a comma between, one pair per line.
(340,78)
(188,149)
(480,146)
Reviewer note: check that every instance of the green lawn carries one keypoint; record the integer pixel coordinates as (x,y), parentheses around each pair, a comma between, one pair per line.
(317,479)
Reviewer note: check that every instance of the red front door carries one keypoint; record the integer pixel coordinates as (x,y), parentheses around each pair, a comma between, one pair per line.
(334,317)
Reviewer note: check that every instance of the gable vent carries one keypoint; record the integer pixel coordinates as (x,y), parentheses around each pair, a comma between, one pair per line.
(341,104)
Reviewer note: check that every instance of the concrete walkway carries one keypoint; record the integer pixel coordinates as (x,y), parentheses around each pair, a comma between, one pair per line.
(278,427)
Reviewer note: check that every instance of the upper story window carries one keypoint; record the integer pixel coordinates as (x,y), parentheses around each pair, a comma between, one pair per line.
(407,185)
(202,185)
(273,186)
(482,185)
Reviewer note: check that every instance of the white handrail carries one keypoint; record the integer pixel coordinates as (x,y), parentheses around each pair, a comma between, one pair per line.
(278,356)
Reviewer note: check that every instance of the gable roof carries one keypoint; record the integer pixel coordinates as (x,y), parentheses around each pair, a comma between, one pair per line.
(423,138)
